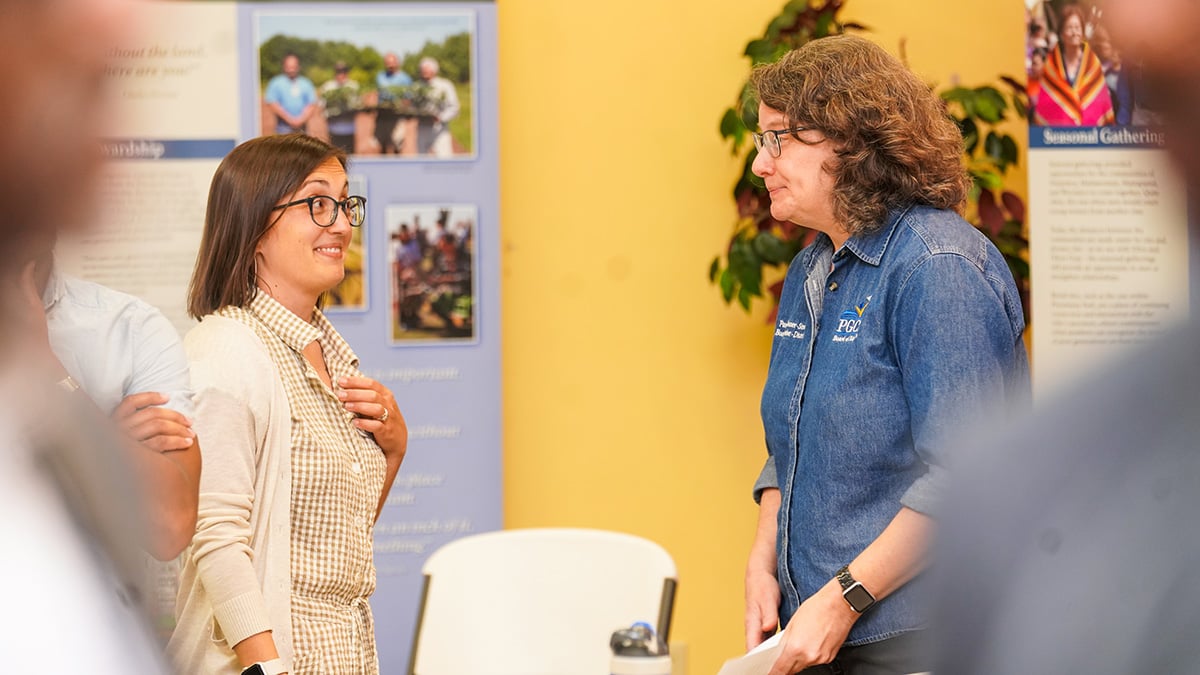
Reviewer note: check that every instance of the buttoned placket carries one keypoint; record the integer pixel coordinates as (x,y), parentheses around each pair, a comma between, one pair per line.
(814,299)
(367,509)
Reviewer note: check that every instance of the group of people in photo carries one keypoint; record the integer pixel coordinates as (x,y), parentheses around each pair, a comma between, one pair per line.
(432,277)
(403,114)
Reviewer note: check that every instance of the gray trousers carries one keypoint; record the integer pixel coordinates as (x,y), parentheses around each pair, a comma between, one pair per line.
(900,655)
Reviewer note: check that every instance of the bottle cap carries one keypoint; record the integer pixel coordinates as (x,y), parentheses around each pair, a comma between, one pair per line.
(637,640)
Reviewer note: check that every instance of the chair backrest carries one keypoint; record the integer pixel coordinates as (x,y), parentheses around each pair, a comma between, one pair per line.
(537,601)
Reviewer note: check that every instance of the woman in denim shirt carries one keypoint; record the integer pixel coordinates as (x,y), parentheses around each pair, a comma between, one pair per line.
(895,326)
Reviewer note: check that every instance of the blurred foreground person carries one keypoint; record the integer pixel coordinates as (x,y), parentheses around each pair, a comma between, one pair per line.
(72,522)
(123,356)
(1070,543)
(900,322)
(301,447)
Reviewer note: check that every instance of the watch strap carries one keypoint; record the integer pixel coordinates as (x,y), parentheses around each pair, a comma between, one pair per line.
(844,578)
(853,592)
(272,667)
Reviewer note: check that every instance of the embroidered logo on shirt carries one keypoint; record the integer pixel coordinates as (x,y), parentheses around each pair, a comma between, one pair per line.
(849,322)
(790,329)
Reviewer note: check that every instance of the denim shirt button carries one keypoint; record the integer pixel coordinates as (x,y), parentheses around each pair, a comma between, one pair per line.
(833,286)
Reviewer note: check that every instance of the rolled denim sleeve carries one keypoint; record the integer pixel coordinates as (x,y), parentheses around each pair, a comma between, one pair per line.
(960,348)
(766,479)
(926,492)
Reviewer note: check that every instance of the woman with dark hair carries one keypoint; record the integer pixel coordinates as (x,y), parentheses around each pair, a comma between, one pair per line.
(1033,82)
(896,324)
(304,447)
(1074,92)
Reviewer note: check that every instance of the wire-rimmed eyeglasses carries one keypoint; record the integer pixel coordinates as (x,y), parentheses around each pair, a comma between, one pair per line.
(324,209)
(769,139)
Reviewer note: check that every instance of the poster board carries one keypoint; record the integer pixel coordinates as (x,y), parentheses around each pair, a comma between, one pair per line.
(1108,214)
(192,84)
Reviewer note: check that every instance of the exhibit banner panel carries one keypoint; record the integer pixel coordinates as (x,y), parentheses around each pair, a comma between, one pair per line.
(1108,251)
(1108,214)
(409,91)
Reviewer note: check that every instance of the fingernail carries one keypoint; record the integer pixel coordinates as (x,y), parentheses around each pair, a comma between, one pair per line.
(341,394)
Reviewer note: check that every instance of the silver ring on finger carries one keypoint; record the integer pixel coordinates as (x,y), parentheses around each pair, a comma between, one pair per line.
(384,416)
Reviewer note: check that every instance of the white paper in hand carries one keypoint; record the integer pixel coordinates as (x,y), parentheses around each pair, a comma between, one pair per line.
(757,661)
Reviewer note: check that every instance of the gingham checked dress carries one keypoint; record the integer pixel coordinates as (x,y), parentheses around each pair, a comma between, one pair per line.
(337,476)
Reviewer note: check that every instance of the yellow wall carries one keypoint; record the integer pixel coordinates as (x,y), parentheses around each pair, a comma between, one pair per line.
(630,390)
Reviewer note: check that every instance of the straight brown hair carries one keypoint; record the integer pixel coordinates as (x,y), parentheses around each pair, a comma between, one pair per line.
(251,180)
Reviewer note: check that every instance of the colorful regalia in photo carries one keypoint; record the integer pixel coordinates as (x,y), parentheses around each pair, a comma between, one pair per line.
(1082,103)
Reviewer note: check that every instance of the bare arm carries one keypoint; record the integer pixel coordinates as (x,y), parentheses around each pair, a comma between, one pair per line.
(257,647)
(821,624)
(160,443)
(762,582)
(284,116)
(305,115)
(166,454)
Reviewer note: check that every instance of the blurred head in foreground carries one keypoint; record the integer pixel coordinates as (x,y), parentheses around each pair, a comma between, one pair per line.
(1069,544)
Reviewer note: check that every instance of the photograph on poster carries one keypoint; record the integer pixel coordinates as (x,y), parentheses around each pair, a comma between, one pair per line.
(387,84)
(1076,77)
(432,254)
(351,294)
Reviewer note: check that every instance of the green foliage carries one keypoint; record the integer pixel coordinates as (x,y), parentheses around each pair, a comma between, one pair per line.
(418,98)
(340,101)
(460,127)
(317,58)
(999,213)
(453,57)
(759,241)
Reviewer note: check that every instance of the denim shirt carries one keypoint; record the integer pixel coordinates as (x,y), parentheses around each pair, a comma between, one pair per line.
(881,348)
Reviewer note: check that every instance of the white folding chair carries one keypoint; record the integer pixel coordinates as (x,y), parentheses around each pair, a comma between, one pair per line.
(537,601)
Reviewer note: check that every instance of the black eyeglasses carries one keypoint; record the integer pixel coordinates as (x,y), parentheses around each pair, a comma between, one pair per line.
(769,139)
(324,209)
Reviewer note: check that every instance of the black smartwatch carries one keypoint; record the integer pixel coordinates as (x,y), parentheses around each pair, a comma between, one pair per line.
(272,667)
(856,595)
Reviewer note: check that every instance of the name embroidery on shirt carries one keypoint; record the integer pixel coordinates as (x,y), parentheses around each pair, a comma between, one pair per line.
(849,323)
(790,329)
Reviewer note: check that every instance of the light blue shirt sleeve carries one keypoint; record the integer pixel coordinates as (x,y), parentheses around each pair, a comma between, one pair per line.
(159,362)
(274,93)
(115,345)
(292,95)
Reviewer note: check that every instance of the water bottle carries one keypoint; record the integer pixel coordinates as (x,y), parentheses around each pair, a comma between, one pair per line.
(638,651)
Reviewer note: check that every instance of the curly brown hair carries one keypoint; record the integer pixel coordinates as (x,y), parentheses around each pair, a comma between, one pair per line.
(897,146)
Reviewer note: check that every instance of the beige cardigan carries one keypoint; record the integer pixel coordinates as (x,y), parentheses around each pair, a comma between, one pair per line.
(236,578)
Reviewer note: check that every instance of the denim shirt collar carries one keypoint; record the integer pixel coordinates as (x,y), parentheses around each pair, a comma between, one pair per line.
(870,247)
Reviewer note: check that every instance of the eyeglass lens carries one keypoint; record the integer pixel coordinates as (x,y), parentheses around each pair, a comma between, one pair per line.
(768,139)
(324,210)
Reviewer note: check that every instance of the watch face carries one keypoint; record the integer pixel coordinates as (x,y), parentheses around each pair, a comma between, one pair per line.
(860,598)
